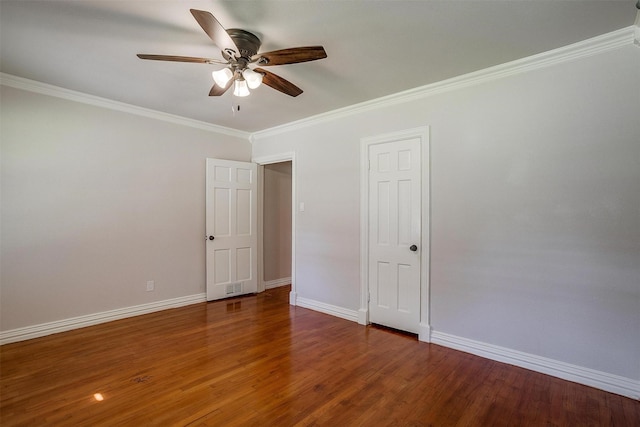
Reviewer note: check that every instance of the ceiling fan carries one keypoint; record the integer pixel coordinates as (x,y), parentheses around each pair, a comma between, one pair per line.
(240,50)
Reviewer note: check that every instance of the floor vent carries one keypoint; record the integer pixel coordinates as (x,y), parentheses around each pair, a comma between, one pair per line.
(234,288)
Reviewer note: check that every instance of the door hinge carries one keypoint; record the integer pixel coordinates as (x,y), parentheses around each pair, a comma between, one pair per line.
(368,296)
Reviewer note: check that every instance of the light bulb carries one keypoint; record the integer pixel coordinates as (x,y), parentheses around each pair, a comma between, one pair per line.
(222,77)
(253,79)
(241,88)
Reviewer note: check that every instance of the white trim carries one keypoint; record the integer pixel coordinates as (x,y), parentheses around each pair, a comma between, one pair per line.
(274,158)
(289,156)
(422,133)
(363,313)
(593,46)
(598,379)
(333,310)
(260,255)
(424,332)
(41,330)
(585,48)
(270,284)
(72,95)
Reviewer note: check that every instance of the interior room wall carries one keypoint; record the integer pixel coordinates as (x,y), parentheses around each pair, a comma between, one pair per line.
(535,218)
(277,221)
(95,203)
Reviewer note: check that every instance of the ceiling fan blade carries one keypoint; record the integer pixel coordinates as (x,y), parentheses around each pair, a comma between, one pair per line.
(215,31)
(278,83)
(217,90)
(292,55)
(180,59)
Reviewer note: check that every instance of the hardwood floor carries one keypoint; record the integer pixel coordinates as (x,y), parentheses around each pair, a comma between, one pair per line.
(258,361)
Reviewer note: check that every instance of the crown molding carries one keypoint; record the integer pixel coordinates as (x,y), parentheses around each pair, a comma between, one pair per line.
(613,40)
(59,92)
(589,47)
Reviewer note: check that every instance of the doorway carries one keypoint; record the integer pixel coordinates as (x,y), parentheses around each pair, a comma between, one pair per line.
(277,173)
(276,220)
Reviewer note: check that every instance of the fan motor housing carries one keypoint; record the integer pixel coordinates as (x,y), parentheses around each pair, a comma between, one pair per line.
(248,43)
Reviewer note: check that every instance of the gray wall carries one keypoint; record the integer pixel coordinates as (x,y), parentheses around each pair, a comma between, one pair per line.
(95,202)
(535,208)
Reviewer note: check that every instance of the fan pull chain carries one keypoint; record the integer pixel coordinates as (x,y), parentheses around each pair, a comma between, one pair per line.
(235,109)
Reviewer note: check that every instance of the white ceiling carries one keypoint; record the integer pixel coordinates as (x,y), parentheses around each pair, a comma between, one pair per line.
(374,48)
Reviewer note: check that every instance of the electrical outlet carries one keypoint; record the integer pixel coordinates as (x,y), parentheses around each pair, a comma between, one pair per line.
(151,285)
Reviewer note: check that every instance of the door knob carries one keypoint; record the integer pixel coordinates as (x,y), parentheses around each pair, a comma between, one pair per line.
(211,237)
(413,248)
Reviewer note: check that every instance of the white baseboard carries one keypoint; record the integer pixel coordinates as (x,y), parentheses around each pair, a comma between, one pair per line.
(277,283)
(578,374)
(590,377)
(333,310)
(35,331)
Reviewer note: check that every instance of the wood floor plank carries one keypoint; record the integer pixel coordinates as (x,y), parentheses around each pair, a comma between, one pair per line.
(257,361)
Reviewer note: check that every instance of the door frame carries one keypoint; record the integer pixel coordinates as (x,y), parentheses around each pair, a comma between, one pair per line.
(422,133)
(261,162)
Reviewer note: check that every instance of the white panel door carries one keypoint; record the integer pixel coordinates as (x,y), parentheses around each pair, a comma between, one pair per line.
(394,234)
(231,223)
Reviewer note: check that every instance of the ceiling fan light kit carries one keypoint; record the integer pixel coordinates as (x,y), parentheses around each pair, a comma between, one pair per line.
(240,87)
(222,77)
(254,80)
(239,49)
